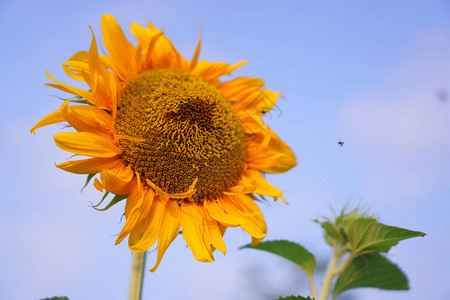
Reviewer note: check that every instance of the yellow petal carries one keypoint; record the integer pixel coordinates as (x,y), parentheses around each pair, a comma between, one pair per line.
(265,151)
(75,64)
(241,87)
(251,216)
(169,231)
(90,166)
(255,179)
(86,118)
(69,89)
(132,214)
(118,181)
(209,71)
(146,233)
(217,212)
(98,185)
(252,123)
(86,143)
(258,102)
(51,118)
(141,198)
(137,209)
(142,222)
(93,58)
(240,189)
(194,231)
(197,51)
(121,51)
(214,232)
(249,208)
(286,161)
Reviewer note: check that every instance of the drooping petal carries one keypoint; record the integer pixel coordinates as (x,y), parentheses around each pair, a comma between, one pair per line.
(194,231)
(51,118)
(168,231)
(90,166)
(86,143)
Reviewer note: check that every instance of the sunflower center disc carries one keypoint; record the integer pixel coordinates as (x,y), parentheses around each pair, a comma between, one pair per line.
(189,130)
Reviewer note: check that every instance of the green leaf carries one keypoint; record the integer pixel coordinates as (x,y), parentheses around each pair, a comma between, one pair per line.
(56,298)
(292,297)
(367,235)
(291,251)
(331,234)
(371,270)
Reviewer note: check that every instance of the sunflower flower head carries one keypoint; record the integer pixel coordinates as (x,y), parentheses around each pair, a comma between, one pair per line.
(183,147)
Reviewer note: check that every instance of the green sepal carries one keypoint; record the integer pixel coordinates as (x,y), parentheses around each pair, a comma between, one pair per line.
(114,201)
(290,251)
(88,179)
(75,99)
(261,198)
(371,270)
(101,201)
(80,101)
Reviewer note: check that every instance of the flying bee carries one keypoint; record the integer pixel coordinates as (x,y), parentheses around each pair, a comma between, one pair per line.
(340,143)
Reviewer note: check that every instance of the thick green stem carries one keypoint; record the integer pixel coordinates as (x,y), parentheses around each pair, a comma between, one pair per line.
(329,275)
(137,274)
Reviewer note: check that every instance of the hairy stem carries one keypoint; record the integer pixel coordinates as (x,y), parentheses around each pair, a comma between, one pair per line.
(344,265)
(329,275)
(313,288)
(137,274)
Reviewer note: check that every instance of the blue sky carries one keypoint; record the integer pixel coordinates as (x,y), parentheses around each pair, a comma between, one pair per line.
(363,72)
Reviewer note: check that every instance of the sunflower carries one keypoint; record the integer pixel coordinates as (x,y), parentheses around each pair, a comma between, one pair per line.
(184,148)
